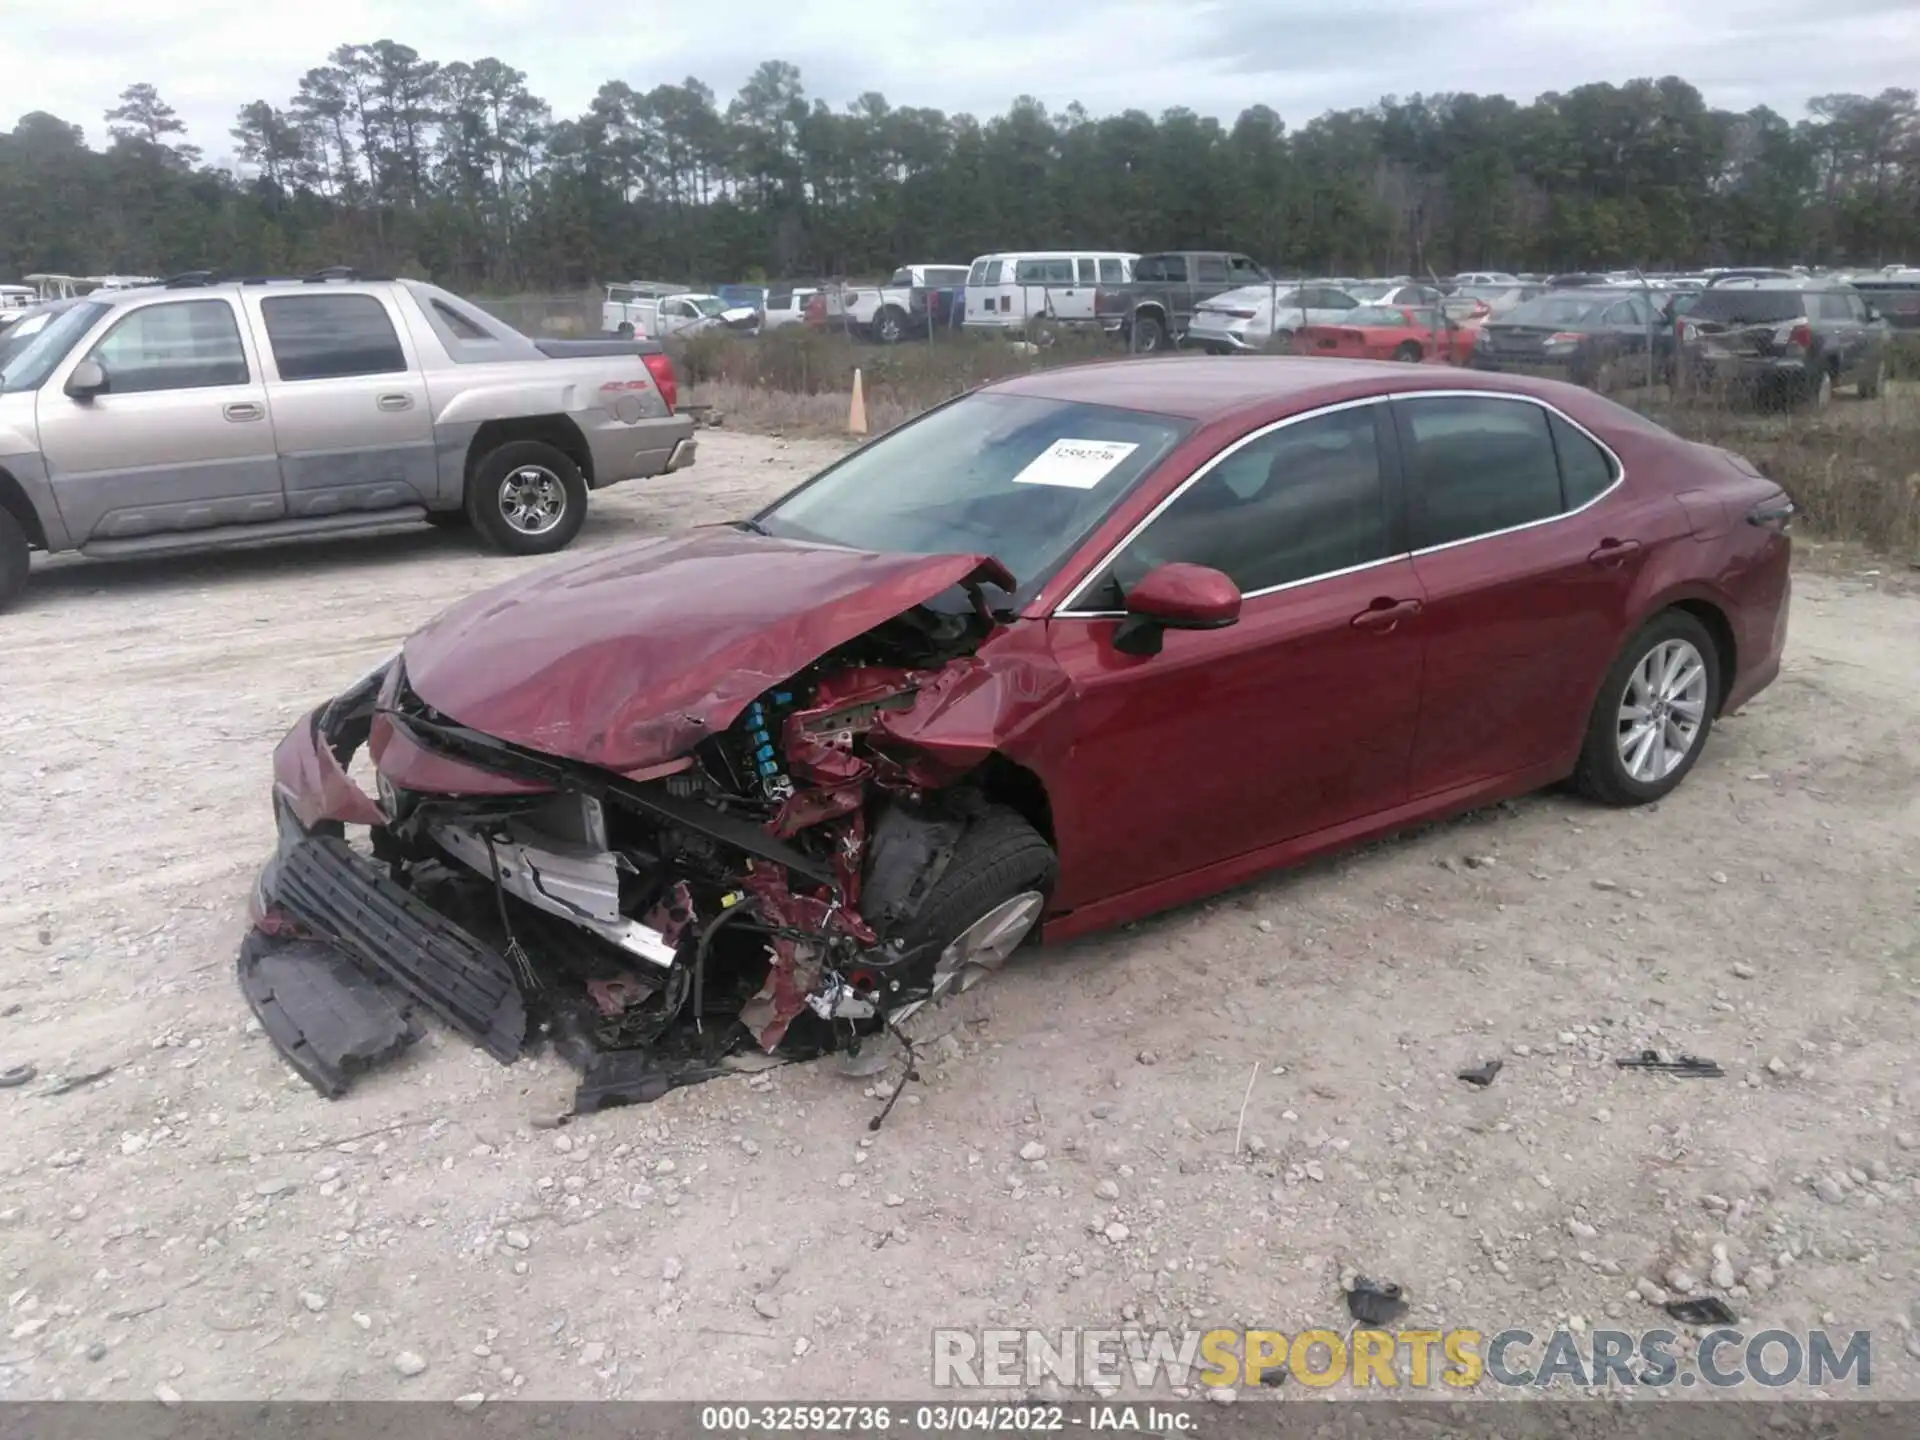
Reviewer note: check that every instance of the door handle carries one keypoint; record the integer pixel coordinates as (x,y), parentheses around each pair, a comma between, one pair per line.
(1383,614)
(243,410)
(1612,552)
(395,402)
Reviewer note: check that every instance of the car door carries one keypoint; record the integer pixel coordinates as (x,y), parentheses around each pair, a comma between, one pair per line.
(180,439)
(1298,717)
(350,411)
(1526,562)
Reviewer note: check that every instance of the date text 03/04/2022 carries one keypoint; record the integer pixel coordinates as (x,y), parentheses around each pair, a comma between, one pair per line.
(944,1419)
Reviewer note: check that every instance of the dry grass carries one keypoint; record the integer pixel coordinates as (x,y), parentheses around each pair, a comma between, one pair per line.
(1853,468)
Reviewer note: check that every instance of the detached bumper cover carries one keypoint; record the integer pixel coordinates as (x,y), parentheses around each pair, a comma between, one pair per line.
(331,891)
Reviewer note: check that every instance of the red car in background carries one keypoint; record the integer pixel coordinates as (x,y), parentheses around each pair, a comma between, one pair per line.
(1391,332)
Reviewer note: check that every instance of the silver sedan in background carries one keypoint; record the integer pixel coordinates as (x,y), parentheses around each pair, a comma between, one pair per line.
(1255,318)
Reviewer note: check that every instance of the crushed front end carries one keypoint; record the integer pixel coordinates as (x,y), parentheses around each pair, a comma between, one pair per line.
(757,892)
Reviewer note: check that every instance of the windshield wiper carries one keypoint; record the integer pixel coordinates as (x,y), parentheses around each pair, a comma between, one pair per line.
(752,527)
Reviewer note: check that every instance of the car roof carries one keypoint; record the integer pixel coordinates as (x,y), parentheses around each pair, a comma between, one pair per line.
(1209,388)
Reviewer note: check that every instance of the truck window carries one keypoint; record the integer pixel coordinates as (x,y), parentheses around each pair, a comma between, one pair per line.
(1112,272)
(185,345)
(1173,269)
(1240,268)
(1089,271)
(328,337)
(1212,269)
(462,327)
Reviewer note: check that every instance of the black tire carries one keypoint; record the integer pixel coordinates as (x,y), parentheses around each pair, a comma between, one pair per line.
(1149,336)
(487,505)
(1281,342)
(998,857)
(1601,773)
(1407,352)
(14,551)
(889,326)
(625,332)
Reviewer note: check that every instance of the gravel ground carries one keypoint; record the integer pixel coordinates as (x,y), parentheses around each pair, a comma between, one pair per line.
(198,1223)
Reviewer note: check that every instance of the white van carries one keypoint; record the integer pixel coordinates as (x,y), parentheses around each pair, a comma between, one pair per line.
(1006,290)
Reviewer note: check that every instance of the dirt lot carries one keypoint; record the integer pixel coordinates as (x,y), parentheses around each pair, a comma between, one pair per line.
(198,1222)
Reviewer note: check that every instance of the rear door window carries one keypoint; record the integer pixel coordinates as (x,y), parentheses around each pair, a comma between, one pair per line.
(1089,271)
(1112,272)
(1476,466)
(330,337)
(1211,269)
(1586,471)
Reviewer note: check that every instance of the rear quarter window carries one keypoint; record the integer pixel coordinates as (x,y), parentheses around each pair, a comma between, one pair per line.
(1586,471)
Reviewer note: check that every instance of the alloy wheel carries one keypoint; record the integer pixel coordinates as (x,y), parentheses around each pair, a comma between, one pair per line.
(1662,711)
(532,499)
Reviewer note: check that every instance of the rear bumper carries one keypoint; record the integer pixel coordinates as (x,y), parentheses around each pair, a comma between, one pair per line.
(1212,338)
(1542,366)
(641,449)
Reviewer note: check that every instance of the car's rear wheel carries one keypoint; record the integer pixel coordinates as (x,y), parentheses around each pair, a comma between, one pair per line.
(986,901)
(1407,352)
(1873,379)
(1282,343)
(15,549)
(625,332)
(1149,335)
(527,498)
(1653,715)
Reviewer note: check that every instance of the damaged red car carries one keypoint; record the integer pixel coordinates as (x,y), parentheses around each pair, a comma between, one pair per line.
(1063,652)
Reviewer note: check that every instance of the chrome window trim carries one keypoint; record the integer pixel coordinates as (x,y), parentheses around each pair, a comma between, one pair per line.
(1065,610)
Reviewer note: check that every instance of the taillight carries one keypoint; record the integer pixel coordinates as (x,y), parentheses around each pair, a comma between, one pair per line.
(1802,336)
(1565,337)
(660,366)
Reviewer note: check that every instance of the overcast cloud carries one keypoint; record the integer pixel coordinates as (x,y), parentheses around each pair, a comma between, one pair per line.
(1214,56)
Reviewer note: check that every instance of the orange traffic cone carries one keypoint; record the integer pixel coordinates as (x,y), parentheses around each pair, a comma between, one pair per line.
(857,412)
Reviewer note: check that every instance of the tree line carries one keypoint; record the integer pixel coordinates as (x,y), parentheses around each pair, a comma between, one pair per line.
(387,160)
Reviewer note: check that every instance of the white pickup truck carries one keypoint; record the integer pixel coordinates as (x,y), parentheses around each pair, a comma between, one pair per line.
(916,300)
(644,309)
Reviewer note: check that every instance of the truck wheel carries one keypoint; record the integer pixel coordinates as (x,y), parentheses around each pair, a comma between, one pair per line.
(889,326)
(625,332)
(527,498)
(13,558)
(1408,352)
(1149,335)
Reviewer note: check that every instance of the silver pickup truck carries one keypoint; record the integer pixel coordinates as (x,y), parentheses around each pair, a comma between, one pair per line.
(198,414)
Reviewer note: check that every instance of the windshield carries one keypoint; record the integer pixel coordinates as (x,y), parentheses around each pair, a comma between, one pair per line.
(1748,307)
(1372,289)
(1556,310)
(1018,477)
(34,344)
(708,304)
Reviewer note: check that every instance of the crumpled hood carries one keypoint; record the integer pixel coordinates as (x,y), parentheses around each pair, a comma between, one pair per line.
(629,657)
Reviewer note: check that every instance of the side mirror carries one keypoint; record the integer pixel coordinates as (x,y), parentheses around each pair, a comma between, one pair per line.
(89,378)
(1175,597)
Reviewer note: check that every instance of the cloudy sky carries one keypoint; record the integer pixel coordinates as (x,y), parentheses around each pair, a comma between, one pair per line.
(1215,56)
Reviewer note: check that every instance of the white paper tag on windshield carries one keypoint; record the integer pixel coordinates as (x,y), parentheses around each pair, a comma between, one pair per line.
(1075,464)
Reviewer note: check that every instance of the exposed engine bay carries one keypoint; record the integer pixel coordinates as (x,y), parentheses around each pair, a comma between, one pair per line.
(768,890)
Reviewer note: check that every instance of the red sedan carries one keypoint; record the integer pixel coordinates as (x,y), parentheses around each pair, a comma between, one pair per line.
(1389,332)
(1066,651)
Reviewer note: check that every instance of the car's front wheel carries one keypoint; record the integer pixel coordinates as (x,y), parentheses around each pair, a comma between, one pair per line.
(1653,715)
(527,498)
(986,901)
(889,326)
(14,562)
